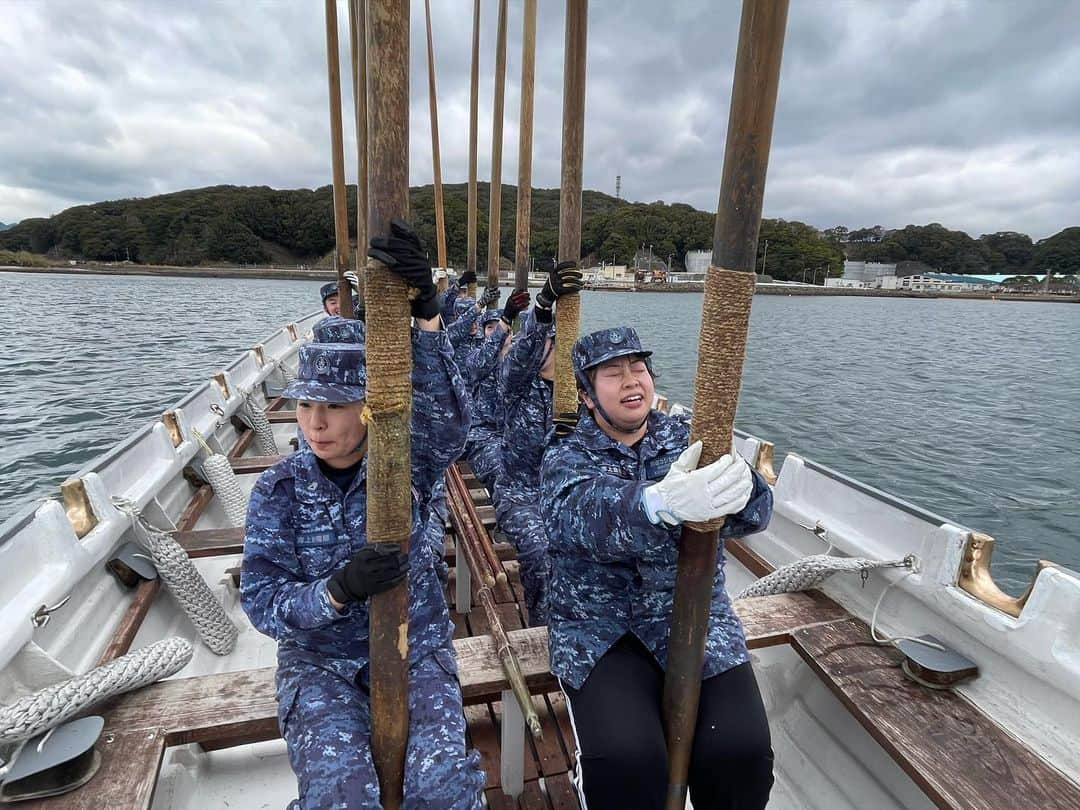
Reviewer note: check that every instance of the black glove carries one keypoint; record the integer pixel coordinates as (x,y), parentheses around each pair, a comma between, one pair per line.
(517,303)
(564,278)
(404,254)
(467,278)
(490,296)
(373,569)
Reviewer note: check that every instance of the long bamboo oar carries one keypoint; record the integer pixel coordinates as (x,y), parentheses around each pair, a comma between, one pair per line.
(474,105)
(729,289)
(337,153)
(358,41)
(389,388)
(495,192)
(568,310)
(433,108)
(522,264)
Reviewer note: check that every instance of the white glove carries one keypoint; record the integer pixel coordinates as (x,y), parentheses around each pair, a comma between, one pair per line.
(353,280)
(440,274)
(699,495)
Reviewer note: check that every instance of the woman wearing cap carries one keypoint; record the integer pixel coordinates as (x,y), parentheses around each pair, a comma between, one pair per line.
(614,494)
(308,571)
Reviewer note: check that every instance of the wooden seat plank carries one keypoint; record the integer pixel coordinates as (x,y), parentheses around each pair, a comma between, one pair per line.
(280,417)
(253,464)
(211,542)
(953,751)
(561,792)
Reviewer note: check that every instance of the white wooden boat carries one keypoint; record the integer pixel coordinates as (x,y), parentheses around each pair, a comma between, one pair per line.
(849,730)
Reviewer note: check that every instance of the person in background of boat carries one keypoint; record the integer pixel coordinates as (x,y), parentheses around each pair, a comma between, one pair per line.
(464,332)
(481,373)
(308,571)
(332,304)
(454,288)
(527,381)
(614,494)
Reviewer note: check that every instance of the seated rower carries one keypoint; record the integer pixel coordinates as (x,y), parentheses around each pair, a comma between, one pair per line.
(614,494)
(308,572)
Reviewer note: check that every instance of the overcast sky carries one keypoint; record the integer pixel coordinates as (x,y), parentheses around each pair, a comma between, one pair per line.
(889,112)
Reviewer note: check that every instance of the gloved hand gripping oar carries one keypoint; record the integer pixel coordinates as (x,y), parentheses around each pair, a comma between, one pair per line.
(729,289)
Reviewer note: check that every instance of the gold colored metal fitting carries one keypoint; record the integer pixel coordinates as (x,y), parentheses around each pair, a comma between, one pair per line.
(662,404)
(975,577)
(172,427)
(764,462)
(292,331)
(260,357)
(77,505)
(223,384)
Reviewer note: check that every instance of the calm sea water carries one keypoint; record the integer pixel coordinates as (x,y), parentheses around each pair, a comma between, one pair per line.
(967,408)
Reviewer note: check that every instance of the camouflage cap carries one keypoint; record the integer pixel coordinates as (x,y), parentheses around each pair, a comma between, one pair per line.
(330,372)
(336,329)
(606,344)
(490,316)
(326,290)
(462,304)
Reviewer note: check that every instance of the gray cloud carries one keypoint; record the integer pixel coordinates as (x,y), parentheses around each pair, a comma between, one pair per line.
(890,113)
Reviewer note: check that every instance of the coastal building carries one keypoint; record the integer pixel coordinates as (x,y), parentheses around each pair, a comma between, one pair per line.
(868,272)
(937,282)
(698,261)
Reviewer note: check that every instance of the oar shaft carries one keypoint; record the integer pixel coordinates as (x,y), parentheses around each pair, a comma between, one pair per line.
(495,191)
(522,262)
(389,388)
(729,289)
(474,105)
(436,164)
(337,153)
(358,41)
(568,309)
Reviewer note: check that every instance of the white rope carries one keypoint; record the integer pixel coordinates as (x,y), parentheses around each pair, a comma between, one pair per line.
(257,420)
(285,372)
(222,479)
(49,707)
(184,582)
(893,639)
(811,571)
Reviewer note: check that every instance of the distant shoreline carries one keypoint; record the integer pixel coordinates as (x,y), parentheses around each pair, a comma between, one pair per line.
(685,287)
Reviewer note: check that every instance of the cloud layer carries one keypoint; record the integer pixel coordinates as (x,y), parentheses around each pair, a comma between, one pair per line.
(889,113)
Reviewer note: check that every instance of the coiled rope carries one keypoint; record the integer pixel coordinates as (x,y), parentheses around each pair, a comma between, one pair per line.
(258,421)
(219,473)
(184,582)
(30,715)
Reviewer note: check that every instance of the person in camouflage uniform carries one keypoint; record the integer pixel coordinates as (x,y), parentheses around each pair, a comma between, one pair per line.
(614,494)
(527,382)
(482,376)
(308,572)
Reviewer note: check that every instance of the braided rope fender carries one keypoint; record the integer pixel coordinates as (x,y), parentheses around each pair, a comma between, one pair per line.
(29,716)
(219,473)
(810,572)
(189,589)
(264,433)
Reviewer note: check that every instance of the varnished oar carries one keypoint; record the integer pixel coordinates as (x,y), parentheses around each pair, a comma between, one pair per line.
(337,153)
(433,109)
(729,289)
(522,263)
(358,41)
(495,191)
(389,388)
(474,104)
(568,309)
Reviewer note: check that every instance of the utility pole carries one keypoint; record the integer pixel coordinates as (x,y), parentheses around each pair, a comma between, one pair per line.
(764,256)
(618,187)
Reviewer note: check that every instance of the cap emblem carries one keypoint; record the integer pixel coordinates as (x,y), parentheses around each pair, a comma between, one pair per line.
(322,364)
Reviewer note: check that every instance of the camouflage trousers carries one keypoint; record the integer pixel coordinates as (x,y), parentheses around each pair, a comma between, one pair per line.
(434,536)
(485,454)
(519,518)
(327,730)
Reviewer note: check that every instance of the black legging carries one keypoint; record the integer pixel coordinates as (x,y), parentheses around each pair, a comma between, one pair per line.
(616,714)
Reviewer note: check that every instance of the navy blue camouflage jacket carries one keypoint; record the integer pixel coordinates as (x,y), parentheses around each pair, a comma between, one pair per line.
(301,528)
(528,409)
(612,570)
(481,373)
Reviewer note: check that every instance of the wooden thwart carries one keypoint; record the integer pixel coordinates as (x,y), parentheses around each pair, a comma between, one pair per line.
(253,464)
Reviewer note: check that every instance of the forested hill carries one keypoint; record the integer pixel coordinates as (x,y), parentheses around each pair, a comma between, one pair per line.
(258,224)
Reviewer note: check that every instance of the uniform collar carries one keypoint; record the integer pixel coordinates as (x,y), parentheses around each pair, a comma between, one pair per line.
(656,441)
(314,487)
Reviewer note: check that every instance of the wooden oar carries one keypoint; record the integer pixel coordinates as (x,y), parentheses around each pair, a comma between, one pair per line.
(389,388)
(729,289)
(433,108)
(474,104)
(358,41)
(495,191)
(568,309)
(337,153)
(522,264)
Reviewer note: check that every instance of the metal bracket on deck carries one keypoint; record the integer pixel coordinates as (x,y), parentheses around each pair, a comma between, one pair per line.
(512,756)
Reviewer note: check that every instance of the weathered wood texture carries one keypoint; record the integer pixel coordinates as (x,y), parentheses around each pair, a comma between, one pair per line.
(951,749)
(337,159)
(279,417)
(522,262)
(495,189)
(436,162)
(211,542)
(358,50)
(253,464)
(474,108)
(748,558)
